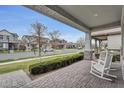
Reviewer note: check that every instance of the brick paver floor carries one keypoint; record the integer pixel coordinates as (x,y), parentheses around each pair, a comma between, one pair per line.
(75,75)
(14,79)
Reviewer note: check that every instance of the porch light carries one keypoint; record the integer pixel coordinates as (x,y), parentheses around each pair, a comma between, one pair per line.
(95,15)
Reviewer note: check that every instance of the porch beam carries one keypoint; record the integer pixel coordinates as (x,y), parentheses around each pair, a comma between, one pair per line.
(106,26)
(67,15)
(122,41)
(59,14)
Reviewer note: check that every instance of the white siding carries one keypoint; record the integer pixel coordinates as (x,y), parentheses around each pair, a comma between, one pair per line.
(114,42)
(11,38)
(5,45)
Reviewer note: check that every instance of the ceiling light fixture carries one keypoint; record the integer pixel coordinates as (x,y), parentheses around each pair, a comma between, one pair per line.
(95,14)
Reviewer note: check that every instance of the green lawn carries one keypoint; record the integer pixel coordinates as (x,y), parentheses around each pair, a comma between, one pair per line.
(10,60)
(23,65)
(15,51)
(17,66)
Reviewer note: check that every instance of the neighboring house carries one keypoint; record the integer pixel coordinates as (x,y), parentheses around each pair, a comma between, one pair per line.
(58,43)
(46,43)
(109,38)
(27,41)
(80,44)
(8,40)
(62,44)
(30,42)
(71,45)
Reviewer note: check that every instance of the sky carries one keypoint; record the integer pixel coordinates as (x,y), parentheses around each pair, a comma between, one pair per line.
(18,19)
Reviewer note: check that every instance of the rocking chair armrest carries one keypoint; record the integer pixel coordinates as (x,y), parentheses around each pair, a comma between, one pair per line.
(93,62)
(101,61)
(97,62)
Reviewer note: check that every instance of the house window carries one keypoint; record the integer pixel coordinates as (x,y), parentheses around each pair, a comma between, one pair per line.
(1,37)
(1,45)
(7,37)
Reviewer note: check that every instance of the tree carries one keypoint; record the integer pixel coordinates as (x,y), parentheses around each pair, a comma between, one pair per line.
(38,34)
(22,47)
(81,42)
(54,36)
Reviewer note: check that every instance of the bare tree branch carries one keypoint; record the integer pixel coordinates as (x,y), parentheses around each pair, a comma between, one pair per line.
(54,36)
(81,42)
(39,33)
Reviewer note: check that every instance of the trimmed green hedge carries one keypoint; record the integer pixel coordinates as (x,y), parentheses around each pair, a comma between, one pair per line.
(54,63)
(116,58)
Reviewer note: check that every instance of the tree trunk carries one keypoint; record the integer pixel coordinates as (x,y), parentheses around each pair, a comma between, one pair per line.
(39,47)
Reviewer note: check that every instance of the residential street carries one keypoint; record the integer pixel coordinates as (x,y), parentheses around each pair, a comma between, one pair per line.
(31,54)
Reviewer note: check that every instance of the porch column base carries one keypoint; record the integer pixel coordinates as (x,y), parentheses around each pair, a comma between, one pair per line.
(122,68)
(87,55)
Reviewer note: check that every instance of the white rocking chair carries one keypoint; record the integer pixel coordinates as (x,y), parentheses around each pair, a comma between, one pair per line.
(102,67)
(102,57)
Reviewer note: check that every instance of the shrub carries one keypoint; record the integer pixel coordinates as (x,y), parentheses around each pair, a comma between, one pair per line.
(81,52)
(97,55)
(22,47)
(116,58)
(54,63)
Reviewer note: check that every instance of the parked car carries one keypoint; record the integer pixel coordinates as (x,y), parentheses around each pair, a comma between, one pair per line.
(79,48)
(48,50)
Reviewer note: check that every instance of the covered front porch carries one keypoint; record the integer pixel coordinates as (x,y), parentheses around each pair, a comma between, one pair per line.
(88,18)
(77,76)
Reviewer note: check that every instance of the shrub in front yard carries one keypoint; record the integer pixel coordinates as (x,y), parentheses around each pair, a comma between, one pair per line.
(54,63)
(97,55)
(116,58)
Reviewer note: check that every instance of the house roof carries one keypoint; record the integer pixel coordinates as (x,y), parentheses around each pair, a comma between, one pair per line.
(14,34)
(31,36)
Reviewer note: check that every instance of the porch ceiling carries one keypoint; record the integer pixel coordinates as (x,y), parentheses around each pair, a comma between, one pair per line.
(102,35)
(83,17)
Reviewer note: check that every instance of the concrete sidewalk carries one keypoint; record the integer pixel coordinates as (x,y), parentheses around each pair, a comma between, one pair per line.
(23,55)
(30,59)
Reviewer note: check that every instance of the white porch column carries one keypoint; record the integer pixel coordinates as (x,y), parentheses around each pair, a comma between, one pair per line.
(96,46)
(100,44)
(87,49)
(95,43)
(122,42)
